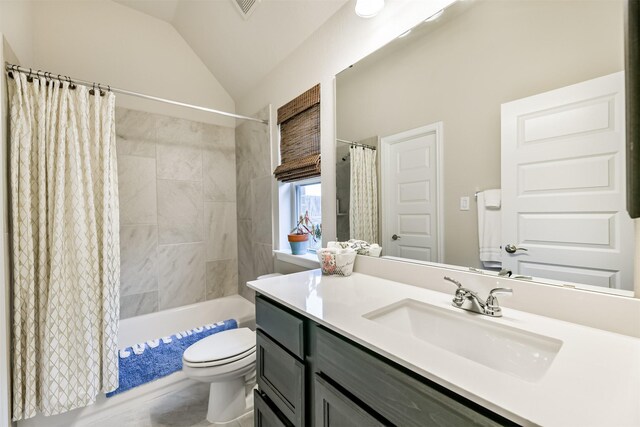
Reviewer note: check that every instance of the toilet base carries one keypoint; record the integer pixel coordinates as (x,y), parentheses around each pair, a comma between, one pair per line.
(244,420)
(228,402)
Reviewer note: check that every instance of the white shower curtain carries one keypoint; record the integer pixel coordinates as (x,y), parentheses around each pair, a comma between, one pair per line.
(65,246)
(363,204)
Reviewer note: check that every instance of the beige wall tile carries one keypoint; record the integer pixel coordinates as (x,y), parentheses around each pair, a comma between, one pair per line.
(261,210)
(136,125)
(138,259)
(135,147)
(219,173)
(168,167)
(180,212)
(179,160)
(221,230)
(181,275)
(138,304)
(262,259)
(222,278)
(137,190)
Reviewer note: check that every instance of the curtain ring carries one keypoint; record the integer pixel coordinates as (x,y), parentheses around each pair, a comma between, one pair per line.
(93,89)
(29,78)
(60,80)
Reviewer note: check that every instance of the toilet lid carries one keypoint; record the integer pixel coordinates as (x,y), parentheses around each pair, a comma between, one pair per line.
(220,346)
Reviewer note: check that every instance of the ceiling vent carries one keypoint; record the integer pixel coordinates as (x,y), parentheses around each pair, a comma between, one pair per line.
(245,7)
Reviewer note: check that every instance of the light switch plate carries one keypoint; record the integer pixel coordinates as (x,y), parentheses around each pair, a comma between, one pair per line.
(464,203)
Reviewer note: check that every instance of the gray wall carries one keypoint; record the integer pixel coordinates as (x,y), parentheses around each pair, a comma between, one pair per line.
(254,180)
(178,236)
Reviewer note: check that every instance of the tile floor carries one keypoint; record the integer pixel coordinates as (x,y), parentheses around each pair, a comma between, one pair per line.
(185,408)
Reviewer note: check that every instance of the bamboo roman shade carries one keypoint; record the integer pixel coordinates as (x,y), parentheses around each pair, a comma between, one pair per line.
(299,122)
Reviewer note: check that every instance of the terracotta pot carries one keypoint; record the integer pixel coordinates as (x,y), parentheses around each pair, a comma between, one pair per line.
(298,237)
(299,243)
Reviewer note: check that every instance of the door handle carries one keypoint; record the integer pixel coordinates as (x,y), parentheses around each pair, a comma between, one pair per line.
(513,248)
(395,237)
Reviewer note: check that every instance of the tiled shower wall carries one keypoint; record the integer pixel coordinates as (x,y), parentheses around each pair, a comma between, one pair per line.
(178,236)
(254,178)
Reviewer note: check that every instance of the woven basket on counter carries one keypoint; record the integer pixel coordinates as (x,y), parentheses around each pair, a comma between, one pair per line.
(338,264)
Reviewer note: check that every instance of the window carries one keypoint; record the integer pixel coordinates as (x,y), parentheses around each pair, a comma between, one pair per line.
(308,199)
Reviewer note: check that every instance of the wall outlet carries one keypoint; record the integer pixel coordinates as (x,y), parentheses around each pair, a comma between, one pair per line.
(464,203)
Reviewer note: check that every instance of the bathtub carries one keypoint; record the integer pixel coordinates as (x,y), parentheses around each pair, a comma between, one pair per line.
(142,328)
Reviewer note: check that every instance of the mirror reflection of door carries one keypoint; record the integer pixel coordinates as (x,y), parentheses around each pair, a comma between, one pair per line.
(563,156)
(459,70)
(411,218)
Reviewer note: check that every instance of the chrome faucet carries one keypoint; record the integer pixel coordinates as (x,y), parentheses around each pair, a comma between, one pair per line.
(469,300)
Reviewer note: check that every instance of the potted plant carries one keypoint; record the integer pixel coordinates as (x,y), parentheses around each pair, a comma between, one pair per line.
(299,235)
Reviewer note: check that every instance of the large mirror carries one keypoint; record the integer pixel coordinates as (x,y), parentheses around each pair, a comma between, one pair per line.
(492,137)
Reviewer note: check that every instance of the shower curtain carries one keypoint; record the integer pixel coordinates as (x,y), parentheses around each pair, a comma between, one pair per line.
(363,209)
(65,245)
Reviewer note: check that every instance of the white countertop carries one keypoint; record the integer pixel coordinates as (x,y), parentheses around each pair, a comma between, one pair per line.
(594,380)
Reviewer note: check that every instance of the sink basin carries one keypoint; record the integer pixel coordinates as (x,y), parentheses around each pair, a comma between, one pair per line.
(506,349)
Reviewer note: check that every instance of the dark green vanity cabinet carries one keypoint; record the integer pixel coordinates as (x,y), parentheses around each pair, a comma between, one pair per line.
(310,376)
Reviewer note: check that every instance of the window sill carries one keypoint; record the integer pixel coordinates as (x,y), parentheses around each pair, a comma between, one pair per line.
(308,260)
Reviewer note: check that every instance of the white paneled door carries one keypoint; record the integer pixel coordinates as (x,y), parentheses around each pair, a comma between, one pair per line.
(563,160)
(410,194)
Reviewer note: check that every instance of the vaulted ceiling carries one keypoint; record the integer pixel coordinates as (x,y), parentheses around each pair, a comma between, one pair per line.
(240,52)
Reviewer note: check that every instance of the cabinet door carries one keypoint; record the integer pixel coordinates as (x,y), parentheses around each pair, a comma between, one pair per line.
(334,409)
(280,376)
(264,415)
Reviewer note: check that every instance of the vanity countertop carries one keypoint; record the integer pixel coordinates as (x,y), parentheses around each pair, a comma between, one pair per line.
(594,380)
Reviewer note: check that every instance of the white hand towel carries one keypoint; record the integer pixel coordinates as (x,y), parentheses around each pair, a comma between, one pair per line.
(489,233)
(493,198)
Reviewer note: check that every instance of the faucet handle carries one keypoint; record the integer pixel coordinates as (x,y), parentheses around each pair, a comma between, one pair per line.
(458,298)
(454,281)
(493,307)
(507,291)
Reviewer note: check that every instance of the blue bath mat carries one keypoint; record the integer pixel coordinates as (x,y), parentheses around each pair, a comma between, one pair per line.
(150,360)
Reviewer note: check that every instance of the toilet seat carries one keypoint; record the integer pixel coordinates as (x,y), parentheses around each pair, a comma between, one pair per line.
(225,361)
(221,349)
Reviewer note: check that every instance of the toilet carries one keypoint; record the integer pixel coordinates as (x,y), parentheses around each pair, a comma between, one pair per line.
(225,360)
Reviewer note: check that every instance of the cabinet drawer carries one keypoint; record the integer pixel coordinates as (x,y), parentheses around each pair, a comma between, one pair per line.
(280,376)
(333,409)
(395,395)
(282,326)
(264,415)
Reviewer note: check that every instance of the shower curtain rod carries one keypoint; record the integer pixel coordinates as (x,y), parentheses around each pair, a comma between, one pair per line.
(59,77)
(356,144)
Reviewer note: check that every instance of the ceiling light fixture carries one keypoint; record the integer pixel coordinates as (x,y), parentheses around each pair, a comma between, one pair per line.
(368,8)
(435,16)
